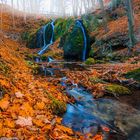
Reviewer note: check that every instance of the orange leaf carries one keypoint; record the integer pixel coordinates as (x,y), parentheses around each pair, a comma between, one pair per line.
(98,137)
(40,105)
(4,104)
(9,123)
(39,123)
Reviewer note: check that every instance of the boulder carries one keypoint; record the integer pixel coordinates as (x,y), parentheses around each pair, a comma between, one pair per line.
(73,43)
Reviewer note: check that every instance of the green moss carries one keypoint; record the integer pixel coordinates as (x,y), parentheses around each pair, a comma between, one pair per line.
(57,107)
(135,74)
(73,44)
(43,57)
(62,26)
(34,67)
(96,80)
(90,61)
(29,37)
(100,62)
(4,69)
(91,22)
(117,90)
(91,53)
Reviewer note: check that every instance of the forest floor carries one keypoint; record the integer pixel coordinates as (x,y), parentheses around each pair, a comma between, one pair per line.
(27,100)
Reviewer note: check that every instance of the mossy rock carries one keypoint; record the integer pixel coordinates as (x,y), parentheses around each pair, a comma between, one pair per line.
(62,26)
(57,107)
(30,38)
(135,74)
(4,69)
(117,90)
(73,43)
(90,61)
(91,22)
(34,38)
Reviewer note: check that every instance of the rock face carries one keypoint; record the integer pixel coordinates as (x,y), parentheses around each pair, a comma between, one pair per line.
(73,43)
(135,74)
(37,40)
(62,26)
(104,46)
(44,32)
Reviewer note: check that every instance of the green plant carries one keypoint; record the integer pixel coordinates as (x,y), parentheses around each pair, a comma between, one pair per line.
(96,80)
(90,61)
(135,74)
(33,66)
(43,57)
(4,68)
(57,107)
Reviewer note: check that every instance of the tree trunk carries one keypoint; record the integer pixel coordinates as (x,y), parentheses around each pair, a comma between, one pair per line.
(104,15)
(130,16)
(13,13)
(1,14)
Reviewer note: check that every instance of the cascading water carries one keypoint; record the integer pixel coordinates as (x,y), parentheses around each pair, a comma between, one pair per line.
(85,39)
(88,115)
(46,46)
(50,59)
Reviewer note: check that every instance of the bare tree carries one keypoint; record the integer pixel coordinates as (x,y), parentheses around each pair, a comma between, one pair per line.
(101,3)
(129,11)
(1,13)
(13,13)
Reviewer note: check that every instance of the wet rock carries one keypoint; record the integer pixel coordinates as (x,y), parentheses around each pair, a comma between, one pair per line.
(135,74)
(62,26)
(73,44)
(39,38)
(57,107)
(108,44)
(35,39)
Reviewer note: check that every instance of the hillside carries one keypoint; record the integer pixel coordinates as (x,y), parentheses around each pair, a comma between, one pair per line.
(26,110)
(56,96)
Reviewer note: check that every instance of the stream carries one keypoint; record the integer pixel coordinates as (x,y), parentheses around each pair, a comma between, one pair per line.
(89,115)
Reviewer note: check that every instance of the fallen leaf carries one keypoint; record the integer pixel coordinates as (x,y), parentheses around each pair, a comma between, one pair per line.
(22,121)
(98,137)
(9,123)
(40,105)
(19,94)
(4,104)
(38,123)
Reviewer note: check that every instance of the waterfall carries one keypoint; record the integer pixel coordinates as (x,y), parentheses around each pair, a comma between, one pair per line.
(46,46)
(50,59)
(85,39)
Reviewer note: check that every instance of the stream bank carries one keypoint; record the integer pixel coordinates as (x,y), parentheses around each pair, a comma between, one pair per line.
(113,117)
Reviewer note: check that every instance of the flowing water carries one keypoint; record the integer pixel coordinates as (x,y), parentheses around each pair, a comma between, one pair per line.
(88,115)
(85,39)
(46,46)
